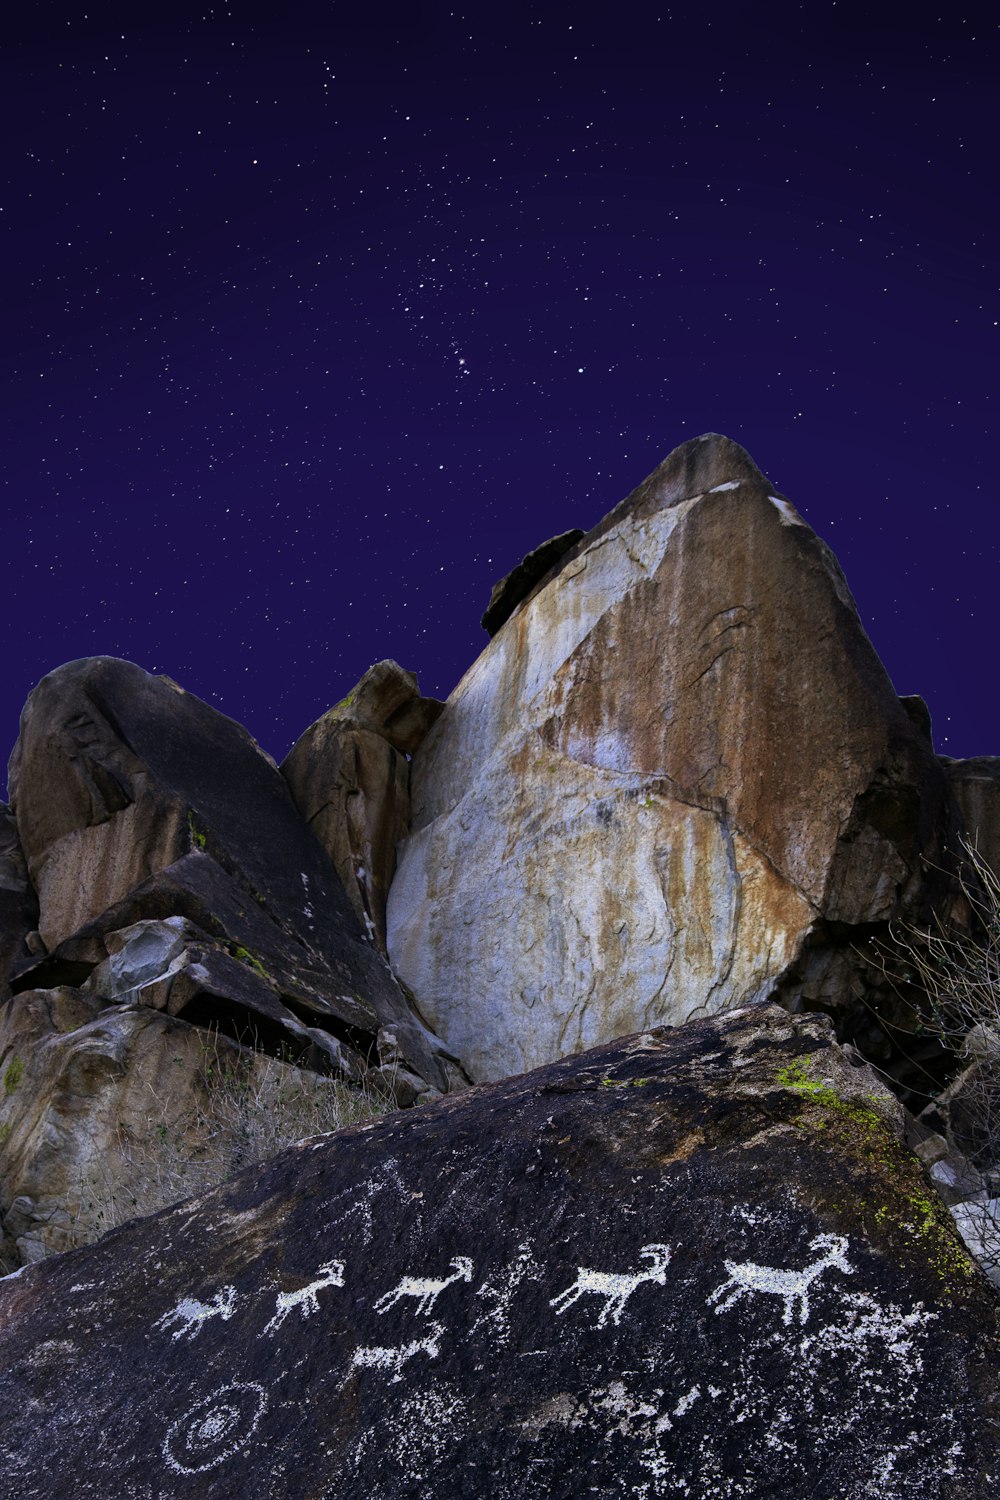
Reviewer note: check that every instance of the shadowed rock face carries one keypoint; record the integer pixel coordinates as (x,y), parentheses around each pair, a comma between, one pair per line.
(520,582)
(678,761)
(695,1262)
(136,802)
(350,778)
(975,785)
(18,906)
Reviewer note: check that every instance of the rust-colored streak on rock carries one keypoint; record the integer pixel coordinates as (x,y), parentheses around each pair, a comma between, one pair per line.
(697,653)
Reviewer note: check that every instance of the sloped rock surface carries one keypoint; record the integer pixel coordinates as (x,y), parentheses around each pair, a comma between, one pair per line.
(135,801)
(694,1262)
(350,779)
(677,769)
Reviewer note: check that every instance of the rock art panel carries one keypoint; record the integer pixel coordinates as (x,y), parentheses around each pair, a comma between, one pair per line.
(676,761)
(693,1262)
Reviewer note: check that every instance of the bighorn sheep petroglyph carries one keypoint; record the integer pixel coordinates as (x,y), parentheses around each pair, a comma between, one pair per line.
(426,1289)
(376,1357)
(191,1315)
(616,1289)
(790,1286)
(331,1273)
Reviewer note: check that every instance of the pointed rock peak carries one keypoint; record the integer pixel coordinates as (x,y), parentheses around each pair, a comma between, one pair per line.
(385,702)
(702,464)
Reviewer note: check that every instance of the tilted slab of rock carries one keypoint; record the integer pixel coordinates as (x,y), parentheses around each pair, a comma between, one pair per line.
(697,1262)
(676,758)
(136,801)
(350,778)
(508,593)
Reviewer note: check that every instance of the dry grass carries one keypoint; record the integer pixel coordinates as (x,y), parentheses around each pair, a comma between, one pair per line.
(253,1107)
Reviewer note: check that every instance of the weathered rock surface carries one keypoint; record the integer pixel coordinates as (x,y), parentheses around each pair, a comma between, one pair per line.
(677,778)
(350,779)
(696,1262)
(110,1111)
(18,905)
(520,581)
(975,785)
(136,802)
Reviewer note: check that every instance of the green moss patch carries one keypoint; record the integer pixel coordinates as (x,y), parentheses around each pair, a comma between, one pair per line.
(897,1197)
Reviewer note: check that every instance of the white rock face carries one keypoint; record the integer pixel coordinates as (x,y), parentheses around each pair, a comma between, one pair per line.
(628,813)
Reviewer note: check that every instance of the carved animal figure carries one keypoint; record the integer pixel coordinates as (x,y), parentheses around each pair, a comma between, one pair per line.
(191,1314)
(790,1286)
(615,1288)
(331,1273)
(375,1357)
(426,1289)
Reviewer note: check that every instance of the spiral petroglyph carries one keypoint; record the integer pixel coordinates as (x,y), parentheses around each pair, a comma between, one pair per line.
(215,1429)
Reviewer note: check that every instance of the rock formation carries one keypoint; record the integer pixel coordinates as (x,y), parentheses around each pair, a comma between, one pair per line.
(677,779)
(136,801)
(180,897)
(975,785)
(18,906)
(521,581)
(349,775)
(691,1262)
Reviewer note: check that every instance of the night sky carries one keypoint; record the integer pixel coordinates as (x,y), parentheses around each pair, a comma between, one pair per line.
(316,317)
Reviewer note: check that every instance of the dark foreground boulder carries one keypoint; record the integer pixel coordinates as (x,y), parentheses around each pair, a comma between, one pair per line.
(690,1263)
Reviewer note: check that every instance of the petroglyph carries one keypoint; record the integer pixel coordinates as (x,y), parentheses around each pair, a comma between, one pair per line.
(331,1273)
(378,1357)
(615,1288)
(790,1286)
(425,1289)
(214,1429)
(191,1315)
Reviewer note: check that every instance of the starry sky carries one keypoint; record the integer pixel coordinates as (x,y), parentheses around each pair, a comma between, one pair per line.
(318,316)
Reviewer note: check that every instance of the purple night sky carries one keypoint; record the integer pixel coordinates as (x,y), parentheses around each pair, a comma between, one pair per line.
(318,316)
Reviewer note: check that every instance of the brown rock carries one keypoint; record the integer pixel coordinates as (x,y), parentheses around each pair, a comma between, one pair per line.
(108,1112)
(137,802)
(678,769)
(350,780)
(975,785)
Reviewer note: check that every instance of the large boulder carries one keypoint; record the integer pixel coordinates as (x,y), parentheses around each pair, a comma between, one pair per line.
(677,778)
(697,1262)
(136,802)
(349,775)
